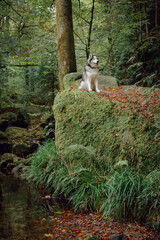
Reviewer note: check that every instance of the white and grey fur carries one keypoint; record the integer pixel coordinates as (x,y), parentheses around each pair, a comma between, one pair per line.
(90,75)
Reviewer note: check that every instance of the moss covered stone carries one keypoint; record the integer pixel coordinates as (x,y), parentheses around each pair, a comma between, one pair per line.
(72,79)
(21,149)
(86,120)
(16,134)
(3,136)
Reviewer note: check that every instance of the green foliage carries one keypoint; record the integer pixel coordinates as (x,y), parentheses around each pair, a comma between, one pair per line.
(44,81)
(44,163)
(125,38)
(48,123)
(50,130)
(121,194)
(80,187)
(28,62)
(149,200)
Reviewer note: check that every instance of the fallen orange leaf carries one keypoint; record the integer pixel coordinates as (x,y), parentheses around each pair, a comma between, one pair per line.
(48,235)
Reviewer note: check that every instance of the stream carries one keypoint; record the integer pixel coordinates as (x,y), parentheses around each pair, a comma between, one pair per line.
(22,210)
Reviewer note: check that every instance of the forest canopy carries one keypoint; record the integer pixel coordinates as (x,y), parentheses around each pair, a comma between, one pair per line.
(124,34)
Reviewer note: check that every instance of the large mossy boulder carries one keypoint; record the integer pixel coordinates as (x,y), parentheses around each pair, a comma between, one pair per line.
(91,128)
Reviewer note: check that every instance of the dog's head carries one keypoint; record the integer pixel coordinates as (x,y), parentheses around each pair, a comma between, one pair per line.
(93,60)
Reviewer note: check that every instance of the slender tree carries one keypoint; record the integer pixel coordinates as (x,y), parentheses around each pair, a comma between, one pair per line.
(66,49)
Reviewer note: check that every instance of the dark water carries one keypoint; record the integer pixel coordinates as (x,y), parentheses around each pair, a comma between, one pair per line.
(23,213)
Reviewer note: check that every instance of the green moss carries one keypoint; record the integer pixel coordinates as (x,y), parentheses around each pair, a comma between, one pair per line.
(86,119)
(71,79)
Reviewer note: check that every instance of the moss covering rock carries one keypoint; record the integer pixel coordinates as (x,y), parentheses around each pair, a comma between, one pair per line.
(3,136)
(84,155)
(17,134)
(8,160)
(113,132)
(21,149)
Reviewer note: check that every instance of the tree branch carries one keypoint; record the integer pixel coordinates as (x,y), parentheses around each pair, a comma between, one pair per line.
(79,38)
(11,7)
(90,30)
(24,65)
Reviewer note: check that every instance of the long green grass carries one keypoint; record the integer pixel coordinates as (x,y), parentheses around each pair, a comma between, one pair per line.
(81,188)
(149,200)
(121,194)
(44,164)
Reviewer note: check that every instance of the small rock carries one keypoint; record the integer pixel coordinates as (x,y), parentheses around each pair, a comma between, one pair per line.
(21,149)
(7,161)
(11,117)
(18,169)
(119,237)
(4,163)
(10,166)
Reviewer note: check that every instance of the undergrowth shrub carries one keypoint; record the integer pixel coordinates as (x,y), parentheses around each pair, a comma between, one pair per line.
(81,188)
(44,164)
(149,200)
(121,190)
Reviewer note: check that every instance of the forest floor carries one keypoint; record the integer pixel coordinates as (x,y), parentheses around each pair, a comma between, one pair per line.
(69,225)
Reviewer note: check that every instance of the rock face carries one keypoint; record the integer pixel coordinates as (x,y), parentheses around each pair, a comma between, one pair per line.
(90,129)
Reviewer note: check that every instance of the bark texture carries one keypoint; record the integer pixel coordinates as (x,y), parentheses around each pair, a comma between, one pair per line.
(66,49)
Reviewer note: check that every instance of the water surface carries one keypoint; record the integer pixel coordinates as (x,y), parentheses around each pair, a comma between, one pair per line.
(22,210)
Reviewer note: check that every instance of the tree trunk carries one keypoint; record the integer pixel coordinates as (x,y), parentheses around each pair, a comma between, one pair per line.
(66,49)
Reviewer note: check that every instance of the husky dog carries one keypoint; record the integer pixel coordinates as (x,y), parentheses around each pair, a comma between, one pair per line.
(90,75)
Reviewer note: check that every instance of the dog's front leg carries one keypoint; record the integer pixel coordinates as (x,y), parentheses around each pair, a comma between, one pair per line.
(96,85)
(89,84)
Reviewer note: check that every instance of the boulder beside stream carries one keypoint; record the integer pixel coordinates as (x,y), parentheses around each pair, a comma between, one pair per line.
(111,131)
